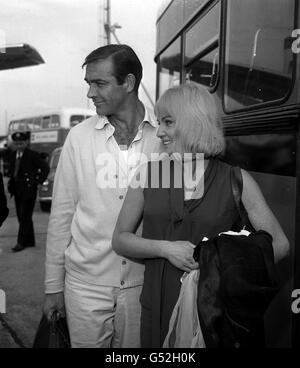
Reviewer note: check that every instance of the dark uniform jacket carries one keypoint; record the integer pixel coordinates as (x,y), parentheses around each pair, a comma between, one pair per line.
(3,202)
(33,170)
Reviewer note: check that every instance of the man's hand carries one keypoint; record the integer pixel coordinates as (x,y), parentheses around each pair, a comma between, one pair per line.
(54,302)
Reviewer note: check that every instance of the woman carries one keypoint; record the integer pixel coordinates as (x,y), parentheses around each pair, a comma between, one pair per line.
(175,219)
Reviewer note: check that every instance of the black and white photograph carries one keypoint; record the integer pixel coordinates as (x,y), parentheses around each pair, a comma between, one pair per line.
(150,177)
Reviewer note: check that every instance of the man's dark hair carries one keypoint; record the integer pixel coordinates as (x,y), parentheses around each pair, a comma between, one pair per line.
(124,59)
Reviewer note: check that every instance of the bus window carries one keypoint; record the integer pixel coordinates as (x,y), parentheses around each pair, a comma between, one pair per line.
(14,126)
(258,55)
(170,22)
(202,34)
(22,125)
(76,119)
(204,70)
(30,124)
(17,126)
(46,120)
(11,127)
(37,123)
(191,6)
(55,122)
(199,40)
(169,67)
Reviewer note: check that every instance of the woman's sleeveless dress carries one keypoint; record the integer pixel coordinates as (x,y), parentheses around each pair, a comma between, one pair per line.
(168,217)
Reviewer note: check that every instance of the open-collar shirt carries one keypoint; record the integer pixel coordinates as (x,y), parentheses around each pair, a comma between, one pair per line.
(89,188)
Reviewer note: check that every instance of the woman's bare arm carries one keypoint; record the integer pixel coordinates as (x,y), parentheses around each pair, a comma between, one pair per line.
(261,216)
(127,243)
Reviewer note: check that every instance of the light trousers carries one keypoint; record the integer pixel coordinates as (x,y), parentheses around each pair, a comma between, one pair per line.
(102,316)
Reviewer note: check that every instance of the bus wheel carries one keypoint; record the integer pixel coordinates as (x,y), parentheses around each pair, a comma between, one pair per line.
(45,206)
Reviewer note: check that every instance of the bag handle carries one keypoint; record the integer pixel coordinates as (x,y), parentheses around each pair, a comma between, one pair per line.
(237,190)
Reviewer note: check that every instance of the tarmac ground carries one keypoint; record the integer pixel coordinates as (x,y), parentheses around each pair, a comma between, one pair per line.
(21,279)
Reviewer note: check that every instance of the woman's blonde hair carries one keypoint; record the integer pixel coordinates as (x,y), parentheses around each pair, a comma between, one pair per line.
(198,124)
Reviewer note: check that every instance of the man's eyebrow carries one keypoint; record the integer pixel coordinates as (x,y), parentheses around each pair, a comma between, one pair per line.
(95,80)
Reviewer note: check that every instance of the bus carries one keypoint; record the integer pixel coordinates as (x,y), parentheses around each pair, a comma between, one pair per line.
(245,52)
(48,129)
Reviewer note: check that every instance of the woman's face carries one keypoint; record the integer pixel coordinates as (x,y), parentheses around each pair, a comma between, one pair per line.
(166,131)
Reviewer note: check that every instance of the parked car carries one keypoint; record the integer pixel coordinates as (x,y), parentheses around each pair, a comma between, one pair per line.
(45,190)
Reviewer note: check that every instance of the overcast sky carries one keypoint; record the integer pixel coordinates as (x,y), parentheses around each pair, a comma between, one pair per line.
(64,32)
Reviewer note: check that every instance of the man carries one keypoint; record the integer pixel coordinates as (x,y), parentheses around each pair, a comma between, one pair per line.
(26,171)
(98,289)
(3,202)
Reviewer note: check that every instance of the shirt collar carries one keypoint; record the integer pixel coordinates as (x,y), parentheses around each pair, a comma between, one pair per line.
(148,118)
(19,154)
(103,123)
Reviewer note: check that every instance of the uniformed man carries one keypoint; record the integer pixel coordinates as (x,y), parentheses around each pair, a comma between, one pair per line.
(27,170)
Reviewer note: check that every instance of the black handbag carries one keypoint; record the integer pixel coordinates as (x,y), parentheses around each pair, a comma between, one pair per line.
(52,334)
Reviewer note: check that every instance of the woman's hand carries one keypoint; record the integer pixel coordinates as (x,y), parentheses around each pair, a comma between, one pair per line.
(180,254)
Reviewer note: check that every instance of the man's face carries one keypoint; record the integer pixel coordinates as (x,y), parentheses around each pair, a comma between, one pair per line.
(108,96)
(20,145)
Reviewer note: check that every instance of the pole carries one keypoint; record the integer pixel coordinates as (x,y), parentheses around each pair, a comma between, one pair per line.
(107,24)
(6,122)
